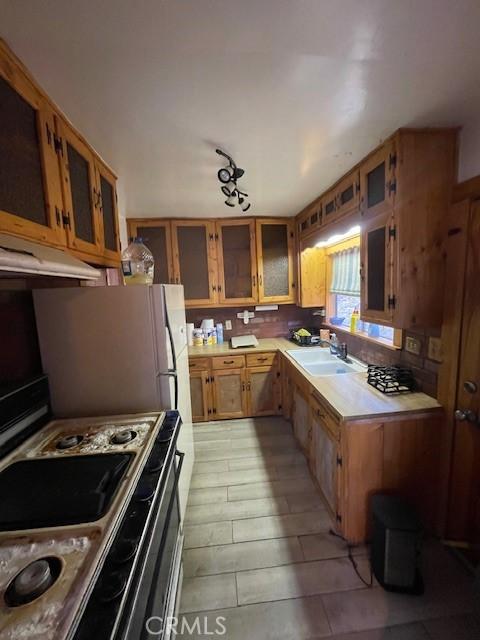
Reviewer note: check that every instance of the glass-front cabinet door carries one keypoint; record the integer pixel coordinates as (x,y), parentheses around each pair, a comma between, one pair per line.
(80,192)
(30,187)
(275,251)
(237,262)
(329,206)
(194,260)
(106,203)
(377,181)
(156,235)
(376,270)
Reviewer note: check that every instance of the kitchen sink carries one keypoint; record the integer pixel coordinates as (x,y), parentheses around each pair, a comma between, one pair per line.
(318,361)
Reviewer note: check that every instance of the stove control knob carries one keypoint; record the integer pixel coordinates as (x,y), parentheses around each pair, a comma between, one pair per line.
(113,589)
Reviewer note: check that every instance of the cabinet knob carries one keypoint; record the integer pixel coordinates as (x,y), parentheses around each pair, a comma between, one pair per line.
(463,415)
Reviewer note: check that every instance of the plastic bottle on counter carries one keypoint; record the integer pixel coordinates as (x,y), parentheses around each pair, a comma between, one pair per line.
(197,337)
(219,333)
(354,320)
(137,263)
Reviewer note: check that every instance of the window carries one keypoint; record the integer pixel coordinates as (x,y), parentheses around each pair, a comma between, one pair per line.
(344,290)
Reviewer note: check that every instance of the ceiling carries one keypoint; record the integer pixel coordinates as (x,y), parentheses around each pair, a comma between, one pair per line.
(297,91)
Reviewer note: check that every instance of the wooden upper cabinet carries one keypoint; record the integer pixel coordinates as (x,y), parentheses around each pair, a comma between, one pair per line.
(275,256)
(194,260)
(348,194)
(237,262)
(329,206)
(376,270)
(377,181)
(106,204)
(80,195)
(156,235)
(30,188)
(312,289)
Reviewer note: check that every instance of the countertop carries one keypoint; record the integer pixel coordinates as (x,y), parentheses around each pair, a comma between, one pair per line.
(349,395)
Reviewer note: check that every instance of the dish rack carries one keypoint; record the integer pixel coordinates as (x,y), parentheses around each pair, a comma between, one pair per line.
(394,379)
(306,341)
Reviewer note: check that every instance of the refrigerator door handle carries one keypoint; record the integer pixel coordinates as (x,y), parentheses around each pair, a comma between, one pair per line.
(171,372)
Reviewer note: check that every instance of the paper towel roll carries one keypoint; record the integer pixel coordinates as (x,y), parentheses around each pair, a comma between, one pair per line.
(190,327)
(207,323)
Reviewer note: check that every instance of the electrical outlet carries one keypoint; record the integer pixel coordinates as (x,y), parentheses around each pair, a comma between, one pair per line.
(413,345)
(228,325)
(435,349)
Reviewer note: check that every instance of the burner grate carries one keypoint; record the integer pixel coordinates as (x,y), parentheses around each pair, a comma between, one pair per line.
(394,379)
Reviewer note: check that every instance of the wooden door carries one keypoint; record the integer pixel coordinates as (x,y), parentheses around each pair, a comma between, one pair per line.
(275,255)
(200,396)
(301,421)
(156,235)
(377,181)
(377,300)
(31,200)
(237,262)
(464,507)
(79,191)
(229,391)
(106,203)
(194,261)
(312,289)
(262,394)
(324,452)
(348,194)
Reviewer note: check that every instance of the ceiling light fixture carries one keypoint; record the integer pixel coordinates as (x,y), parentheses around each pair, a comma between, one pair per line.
(228,176)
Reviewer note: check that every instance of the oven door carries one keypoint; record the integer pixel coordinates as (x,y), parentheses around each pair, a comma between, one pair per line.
(153,597)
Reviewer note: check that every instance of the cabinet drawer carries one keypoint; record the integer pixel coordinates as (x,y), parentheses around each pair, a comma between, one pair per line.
(323,415)
(261,359)
(228,362)
(198,364)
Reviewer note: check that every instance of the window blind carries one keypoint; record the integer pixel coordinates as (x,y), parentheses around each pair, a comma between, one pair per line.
(346,272)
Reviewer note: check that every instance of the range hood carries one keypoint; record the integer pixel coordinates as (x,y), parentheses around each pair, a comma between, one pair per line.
(22,257)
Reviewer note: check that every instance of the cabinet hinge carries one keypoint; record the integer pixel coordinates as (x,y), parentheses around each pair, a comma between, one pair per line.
(207,380)
(291,234)
(58,144)
(209,412)
(49,134)
(392,300)
(392,186)
(338,517)
(279,407)
(293,285)
(278,374)
(219,287)
(58,216)
(66,220)
(210,236)
(392,232)
(339,461)
(216,236)
(392,160)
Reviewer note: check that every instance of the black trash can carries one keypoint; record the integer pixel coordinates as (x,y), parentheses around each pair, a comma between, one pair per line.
(396,545)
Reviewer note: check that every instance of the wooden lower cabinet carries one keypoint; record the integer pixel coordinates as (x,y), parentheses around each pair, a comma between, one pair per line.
(301,420)
(324,463)
(228,394)
(200,396)
(222,388)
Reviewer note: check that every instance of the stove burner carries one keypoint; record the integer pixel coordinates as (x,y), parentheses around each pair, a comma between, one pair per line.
(122,437)
(67,442)
(32,581)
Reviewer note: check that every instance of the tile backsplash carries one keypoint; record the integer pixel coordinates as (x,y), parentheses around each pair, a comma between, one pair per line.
(265,324)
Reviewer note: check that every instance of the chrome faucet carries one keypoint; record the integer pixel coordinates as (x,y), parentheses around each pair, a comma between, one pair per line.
(340,350)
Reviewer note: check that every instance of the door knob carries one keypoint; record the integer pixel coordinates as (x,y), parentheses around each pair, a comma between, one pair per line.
(466,414)
(470,386)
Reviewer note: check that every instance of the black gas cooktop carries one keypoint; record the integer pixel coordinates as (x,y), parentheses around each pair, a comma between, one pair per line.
(53,492)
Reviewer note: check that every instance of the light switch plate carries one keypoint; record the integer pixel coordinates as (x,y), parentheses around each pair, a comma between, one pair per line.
(413,345)
(228,325)
(435,349)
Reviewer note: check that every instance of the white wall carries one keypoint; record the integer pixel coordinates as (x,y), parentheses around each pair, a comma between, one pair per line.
(469,152)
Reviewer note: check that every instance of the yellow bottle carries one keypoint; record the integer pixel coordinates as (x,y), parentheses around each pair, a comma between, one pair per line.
(354,320)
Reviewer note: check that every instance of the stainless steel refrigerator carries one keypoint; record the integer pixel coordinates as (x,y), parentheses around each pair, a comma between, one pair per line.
(116,350)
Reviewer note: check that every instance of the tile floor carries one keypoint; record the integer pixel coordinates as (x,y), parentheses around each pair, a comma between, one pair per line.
(258,553)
